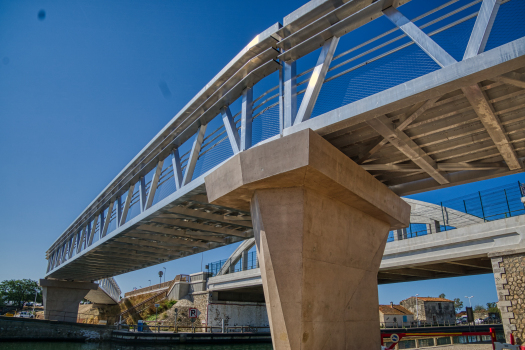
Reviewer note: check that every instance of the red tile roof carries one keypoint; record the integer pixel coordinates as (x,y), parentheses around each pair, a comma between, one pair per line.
(394,310)
(443,300)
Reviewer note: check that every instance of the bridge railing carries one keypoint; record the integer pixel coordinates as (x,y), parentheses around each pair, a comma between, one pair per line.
(489,205)
(110,286)
(262,91)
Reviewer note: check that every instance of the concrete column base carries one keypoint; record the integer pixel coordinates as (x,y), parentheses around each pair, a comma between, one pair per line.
(61,298)
(321,223)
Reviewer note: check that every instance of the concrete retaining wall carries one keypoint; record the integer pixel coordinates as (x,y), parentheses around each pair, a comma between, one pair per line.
(238,314)
(12,328)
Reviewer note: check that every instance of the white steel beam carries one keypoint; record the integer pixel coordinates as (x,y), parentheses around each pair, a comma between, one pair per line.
(177,168)
(316,80)
(246,119)
(93,229)
(73,242)
(408,147)
(107,220)
(231,129)
(481,31)
(154,184)
(419,37)
(290,93)
(127,204)
(194,155)
(118,210)
(483,108)
(142,193)
(81,240)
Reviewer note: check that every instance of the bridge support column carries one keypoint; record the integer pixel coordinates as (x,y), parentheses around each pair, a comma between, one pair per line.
(321,223)
(61,298)
(509,275)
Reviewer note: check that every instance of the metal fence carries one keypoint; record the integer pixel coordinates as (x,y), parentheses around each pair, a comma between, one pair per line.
(251,263)
(489,205)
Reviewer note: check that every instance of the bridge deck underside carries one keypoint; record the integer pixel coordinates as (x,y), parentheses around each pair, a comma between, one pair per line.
(446,132)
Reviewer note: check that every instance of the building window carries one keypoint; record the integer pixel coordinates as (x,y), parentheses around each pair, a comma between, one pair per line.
(439,306)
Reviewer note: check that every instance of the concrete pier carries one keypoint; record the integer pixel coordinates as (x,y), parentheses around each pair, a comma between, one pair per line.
(61,298)
(320,224)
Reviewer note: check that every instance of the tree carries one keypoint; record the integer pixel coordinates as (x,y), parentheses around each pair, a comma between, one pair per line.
(442,295)
(493,308)
(20,291)
(458,304)
(479,308)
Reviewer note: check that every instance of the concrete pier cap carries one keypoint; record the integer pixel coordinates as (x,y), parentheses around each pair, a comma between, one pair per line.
(320,223)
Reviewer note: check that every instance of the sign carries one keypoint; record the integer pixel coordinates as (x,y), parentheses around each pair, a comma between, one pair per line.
(394,338)
(157,305)
(193,313)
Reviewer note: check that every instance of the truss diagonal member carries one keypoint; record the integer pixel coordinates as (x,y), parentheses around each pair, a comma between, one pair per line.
(409,120)
(127,203)
(231,129)
(483,108)
(482,27)
(194,155)
(419,37)
(512,78)
(107,220)
(82,238)
(177,168)
(153,187)
(93,229)
(316,80)
(408,147)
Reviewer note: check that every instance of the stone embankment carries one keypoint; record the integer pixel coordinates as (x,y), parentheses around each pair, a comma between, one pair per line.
(12,328)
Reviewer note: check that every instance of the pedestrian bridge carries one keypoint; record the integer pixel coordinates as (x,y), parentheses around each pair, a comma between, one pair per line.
(422,95)
(312,132)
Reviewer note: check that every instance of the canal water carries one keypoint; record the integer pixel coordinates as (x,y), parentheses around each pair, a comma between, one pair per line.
(120,346)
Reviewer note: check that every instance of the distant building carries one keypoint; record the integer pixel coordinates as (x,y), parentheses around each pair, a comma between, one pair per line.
(431,310)
(394,316)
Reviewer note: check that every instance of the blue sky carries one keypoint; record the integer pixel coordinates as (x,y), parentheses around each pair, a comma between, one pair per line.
(82,90)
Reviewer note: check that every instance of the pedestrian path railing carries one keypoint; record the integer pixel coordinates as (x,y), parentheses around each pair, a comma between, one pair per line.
(488,205)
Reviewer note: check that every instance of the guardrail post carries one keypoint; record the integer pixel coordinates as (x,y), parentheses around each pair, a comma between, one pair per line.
(481,202)
(443,215)
(508,206)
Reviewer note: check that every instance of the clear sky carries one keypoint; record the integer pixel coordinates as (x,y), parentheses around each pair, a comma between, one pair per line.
(84,85)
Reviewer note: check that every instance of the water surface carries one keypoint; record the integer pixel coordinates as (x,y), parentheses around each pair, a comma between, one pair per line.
(121,346)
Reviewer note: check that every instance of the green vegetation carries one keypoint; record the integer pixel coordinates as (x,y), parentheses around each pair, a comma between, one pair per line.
(479,308)
(493,308)
(458,304)
(19,291)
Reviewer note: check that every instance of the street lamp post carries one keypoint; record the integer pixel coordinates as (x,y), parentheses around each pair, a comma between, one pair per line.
(417,311)
(469,303)
(149,283)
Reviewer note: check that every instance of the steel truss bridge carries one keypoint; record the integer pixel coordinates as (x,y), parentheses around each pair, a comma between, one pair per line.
(422,94)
